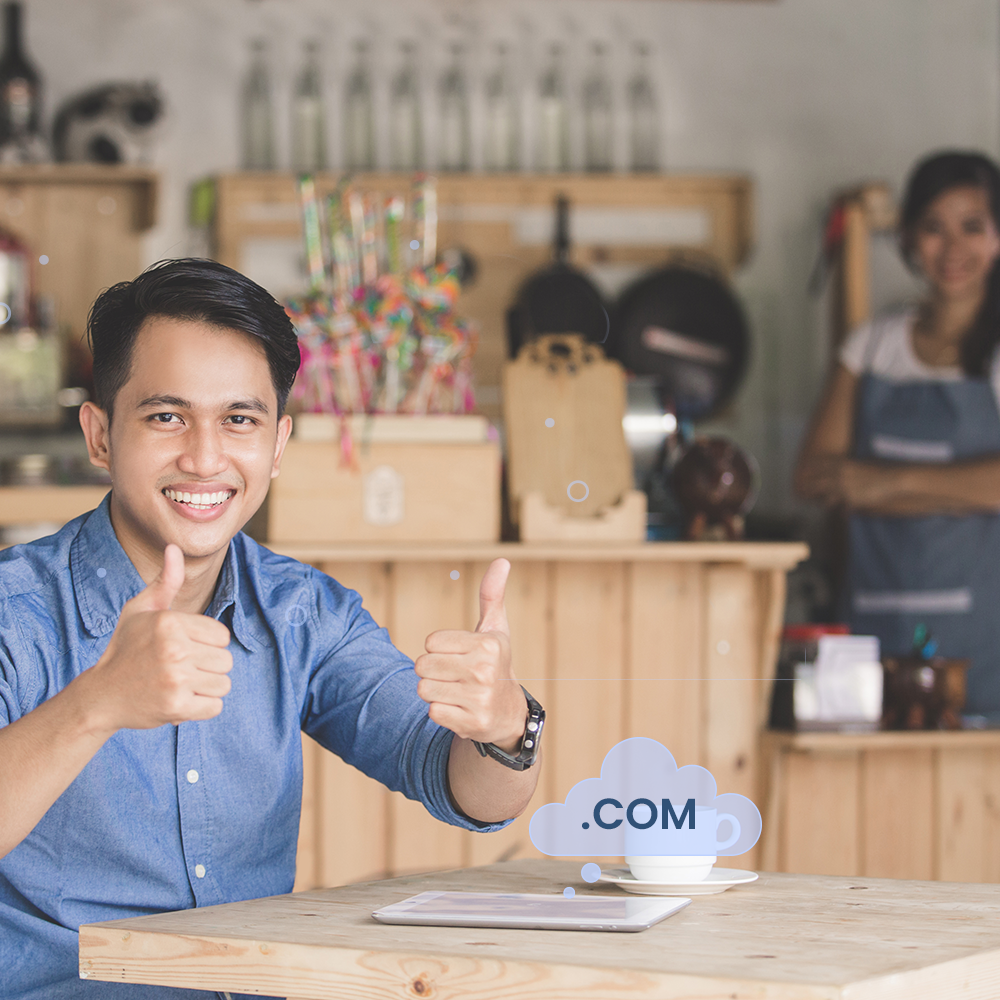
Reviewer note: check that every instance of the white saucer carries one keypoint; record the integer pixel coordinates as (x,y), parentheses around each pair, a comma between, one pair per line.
(719,880)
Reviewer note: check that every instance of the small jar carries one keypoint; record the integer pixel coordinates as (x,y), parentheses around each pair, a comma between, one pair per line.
(796,670)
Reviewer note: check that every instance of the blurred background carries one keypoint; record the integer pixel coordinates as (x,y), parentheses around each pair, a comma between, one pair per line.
(743,158)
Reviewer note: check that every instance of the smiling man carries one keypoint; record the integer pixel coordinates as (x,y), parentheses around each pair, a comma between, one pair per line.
(157,665)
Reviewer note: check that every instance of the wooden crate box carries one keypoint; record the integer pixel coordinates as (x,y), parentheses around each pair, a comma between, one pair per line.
(392,491)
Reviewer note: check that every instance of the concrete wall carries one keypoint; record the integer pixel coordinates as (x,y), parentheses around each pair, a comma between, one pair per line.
(804,95)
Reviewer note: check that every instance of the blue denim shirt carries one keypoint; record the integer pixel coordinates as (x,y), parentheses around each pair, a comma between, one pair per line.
(204,812)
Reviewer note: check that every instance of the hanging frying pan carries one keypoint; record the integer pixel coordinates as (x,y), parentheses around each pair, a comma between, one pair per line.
(684,326)
(559,299)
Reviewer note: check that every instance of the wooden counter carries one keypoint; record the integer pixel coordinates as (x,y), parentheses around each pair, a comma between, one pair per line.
(785,937)
(671,640)
(911,805)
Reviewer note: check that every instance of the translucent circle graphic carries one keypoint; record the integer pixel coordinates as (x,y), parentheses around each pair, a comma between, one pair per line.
(102,572)
(414,244)
(296,615)
(6,313)
(454,574)
(569,491)
(590,872)
(569,892)
(549,422)
(43,259)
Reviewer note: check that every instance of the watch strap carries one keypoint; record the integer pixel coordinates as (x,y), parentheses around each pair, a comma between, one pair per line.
(528,752)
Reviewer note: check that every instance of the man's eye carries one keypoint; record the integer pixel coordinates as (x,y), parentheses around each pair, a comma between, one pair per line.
(163,418)
(242,419)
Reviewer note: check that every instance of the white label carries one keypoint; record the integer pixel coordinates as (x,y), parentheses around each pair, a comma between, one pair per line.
(382,496)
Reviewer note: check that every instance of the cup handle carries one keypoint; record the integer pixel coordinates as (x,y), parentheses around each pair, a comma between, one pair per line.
(733,837)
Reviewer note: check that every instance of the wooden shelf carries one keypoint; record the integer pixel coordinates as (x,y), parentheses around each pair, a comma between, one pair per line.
(884,740)
(506,221)
(58,504)
(758,555)
(87,219)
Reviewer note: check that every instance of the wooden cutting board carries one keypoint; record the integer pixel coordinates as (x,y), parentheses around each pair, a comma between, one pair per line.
(563,405)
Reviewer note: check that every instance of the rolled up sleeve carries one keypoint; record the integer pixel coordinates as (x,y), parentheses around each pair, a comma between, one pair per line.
(362,704)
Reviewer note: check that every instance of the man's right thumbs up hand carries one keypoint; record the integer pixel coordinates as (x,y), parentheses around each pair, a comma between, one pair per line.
(161,666)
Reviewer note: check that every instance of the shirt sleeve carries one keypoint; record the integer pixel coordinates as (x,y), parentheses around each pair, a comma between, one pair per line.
(10,693)
(362,704)
(854,350)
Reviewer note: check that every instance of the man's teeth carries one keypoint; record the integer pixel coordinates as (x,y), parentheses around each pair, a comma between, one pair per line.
(200,501)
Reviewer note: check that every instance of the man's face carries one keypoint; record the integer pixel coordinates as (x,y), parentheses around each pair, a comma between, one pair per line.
(195,439)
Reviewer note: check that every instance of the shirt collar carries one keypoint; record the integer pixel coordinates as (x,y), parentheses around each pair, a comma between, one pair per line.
(104,578)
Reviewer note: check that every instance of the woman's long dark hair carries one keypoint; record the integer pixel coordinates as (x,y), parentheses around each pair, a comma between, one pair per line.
(930,178)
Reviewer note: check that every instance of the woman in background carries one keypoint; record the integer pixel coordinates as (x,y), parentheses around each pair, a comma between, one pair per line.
(907,436)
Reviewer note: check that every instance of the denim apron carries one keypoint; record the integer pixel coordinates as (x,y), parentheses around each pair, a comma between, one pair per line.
(942,571)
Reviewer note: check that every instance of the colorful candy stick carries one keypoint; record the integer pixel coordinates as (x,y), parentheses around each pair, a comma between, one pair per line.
(311,231)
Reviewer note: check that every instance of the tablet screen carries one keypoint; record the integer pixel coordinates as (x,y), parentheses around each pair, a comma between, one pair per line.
(488,909)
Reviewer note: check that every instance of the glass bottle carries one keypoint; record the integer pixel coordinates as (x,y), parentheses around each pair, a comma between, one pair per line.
(553,117)
(258,121)
(359,129)
(597,117)
(644,124)
(405,120)
(454,144)
(20,97)
(308,129)
(502,141)
(21,138)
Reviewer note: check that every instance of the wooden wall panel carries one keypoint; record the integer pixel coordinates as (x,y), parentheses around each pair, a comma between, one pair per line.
(729,730)
(961,815)
(306,852)
(588,626)
(529,616)
(352,816)
(350,851)
(424,599)
(670,649)
(663,679)
(819,836)
(898,814)
(991,817)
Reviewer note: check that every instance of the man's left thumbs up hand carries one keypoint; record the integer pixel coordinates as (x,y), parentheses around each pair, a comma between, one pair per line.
(466,677)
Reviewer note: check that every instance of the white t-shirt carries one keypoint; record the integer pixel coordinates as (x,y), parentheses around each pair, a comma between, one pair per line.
(893,356)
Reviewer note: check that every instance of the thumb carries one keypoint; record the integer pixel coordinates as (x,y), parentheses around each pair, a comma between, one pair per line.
(492,614)
(160,593)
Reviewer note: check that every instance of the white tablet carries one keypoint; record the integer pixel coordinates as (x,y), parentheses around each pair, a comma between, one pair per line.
(522,909)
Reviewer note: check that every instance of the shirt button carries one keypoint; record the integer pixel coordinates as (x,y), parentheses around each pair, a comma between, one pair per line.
(199,870)
(192,776)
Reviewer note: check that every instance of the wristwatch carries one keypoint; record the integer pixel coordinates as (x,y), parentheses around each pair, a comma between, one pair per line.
(528,753)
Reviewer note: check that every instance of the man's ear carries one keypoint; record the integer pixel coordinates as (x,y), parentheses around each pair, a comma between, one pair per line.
(95,424)
(284,432)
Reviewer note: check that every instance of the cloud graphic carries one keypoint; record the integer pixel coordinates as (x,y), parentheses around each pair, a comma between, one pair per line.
(644,804)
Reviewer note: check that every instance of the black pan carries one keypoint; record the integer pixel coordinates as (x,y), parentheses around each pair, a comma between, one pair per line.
(684,326)
(559,299)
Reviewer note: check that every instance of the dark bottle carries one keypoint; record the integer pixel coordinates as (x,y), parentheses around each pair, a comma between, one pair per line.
(20,96)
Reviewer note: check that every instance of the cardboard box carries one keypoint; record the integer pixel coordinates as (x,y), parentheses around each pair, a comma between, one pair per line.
(409,490)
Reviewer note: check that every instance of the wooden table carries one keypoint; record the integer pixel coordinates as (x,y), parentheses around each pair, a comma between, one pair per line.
(785,937)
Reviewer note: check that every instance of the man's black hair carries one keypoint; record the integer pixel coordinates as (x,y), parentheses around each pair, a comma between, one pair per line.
(193,289)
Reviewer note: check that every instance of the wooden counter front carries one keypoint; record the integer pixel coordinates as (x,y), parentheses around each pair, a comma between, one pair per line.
(910,805)
(672,640)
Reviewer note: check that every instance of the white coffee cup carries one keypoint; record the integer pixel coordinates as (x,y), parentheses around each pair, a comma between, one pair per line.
(672,868)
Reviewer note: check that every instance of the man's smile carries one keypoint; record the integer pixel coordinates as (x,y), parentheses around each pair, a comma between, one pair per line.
(199,504)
